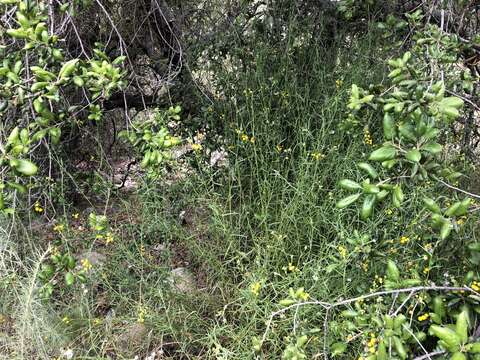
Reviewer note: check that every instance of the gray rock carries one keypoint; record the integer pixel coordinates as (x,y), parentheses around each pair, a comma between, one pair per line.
(95,258)
(182,280)
(132,336)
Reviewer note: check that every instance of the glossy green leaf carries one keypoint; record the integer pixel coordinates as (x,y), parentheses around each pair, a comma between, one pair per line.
(347,201)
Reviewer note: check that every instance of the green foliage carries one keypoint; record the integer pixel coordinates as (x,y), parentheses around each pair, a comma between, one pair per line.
(151,139)
(333,232)
(40,88)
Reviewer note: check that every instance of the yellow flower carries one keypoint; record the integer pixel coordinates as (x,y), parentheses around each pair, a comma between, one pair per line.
(255,288)
(279,148)
(367,137)
(252,139)
(317,155)
(371,344)
(475,286)
(59,228)
(342,250)
(76,216)
(108,238)
(426,270)
(86,264)
(423,317)
(37,207)
(365,266)
(244,137)
(292,267)
(338,83)
(404,240)
(196,147)
(97,321)
(66,320)
(141,315)
(389,212)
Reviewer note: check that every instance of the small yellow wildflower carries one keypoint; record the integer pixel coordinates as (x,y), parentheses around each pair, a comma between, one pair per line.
(97,321)
(75,216)
(255,288)
(342,250)
(365,266)
(317,155)
(423,317)
(37,207)
(141,315)
(461,220)
(404,240)
(108,238)
(349,338)
(99,236)
(426,270)
(196,147)
(86,264)
(59,228)
(367,137)
(338,83)
(428,247)
(292,268)
(388,212)
(371,344)
(252,139)
(475,286)
(66,320)
(244,137)
(279,148)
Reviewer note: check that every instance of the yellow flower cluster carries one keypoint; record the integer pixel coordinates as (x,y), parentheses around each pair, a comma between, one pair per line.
(291,268)
(59,228)
(404,240)
(342,250)
(365,266)
(461,220)
(196,147)
(255,288)
(86,264)
(108,238)
(37,207)
(367,137)
(317,155)
(338,83)
(423,317)
(141,315)
(75,216)
(244,137)
(371,344)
